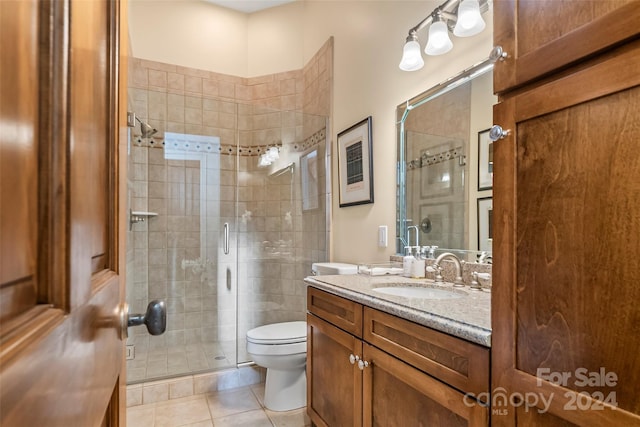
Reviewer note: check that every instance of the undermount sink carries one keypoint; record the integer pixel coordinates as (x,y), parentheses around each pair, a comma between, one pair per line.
(419,292)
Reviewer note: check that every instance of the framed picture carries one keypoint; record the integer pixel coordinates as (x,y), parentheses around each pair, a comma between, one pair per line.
(485,161)
(355,164)
(309,180)
(485,220)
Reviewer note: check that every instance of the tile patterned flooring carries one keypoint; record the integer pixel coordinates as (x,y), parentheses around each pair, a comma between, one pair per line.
(160,362)
(240,407)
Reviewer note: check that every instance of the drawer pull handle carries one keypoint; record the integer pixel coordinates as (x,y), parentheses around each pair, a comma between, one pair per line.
(362,364)
(353,359)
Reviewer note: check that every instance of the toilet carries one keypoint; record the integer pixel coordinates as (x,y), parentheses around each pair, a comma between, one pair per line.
(281,348)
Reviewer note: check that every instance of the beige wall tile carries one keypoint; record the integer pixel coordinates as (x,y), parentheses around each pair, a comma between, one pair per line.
(134,395)
(155,392)
(158,78)
(175,81)
(181,388)
(193,84)
(210,87)
(205,383)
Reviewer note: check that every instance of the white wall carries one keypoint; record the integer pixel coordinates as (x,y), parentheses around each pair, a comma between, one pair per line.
(368,40)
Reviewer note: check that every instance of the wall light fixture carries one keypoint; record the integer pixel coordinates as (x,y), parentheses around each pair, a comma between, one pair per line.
(269,156)
(462,17)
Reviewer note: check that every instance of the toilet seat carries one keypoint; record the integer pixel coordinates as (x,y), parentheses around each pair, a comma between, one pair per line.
(279,333)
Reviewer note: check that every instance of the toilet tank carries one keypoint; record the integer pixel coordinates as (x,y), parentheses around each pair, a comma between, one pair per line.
(329,268)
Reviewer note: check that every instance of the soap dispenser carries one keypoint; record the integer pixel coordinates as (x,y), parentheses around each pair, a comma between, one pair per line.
(418,264)
(407,261)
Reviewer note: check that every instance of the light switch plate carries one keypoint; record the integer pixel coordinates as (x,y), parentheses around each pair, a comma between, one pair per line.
(382,236)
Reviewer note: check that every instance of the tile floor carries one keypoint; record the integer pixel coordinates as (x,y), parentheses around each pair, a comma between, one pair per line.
(160,362)
(240,407)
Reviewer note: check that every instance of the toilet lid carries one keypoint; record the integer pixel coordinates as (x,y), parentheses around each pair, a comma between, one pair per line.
(279,333)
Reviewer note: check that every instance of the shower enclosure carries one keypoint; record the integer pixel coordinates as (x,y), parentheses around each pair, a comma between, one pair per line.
(225,241)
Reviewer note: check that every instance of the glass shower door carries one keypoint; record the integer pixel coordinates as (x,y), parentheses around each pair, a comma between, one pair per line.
(182,255)
(282,218)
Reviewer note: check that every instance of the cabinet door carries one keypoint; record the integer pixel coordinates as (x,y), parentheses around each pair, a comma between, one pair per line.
(566,248)
(334,384)
(542,36)
(397,394)
(62,122)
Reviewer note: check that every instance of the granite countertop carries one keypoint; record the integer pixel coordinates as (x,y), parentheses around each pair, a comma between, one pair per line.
(468,317)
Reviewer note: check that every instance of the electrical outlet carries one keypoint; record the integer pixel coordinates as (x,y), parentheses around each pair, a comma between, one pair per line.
(382,236)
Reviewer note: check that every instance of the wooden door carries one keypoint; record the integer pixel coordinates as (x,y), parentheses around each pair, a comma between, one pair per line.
(543,36)
(61,216)
(397,395)
(566,249)
(334,384)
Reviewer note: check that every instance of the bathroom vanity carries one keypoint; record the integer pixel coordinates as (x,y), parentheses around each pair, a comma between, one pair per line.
(374,358)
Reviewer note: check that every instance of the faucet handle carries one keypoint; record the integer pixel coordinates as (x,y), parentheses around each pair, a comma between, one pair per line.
(475,285)
(438,270)
(432,251)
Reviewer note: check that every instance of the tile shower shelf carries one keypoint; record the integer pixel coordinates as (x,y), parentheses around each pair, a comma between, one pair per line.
(139,216)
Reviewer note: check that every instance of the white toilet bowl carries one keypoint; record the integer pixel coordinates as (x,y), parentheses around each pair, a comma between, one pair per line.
(282,349)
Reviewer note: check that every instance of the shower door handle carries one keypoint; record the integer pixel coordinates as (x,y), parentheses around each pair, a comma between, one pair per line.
(155,318)
(226,238)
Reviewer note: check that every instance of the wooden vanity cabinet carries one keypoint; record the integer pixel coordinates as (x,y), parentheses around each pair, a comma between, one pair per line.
(566,226)
(334,385)
(397,374)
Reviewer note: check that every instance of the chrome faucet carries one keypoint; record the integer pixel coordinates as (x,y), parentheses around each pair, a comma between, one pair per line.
(415,227)
(448,255)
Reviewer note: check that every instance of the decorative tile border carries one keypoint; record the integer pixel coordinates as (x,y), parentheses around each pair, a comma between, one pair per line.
(312,141)
(193,144)
(427,159)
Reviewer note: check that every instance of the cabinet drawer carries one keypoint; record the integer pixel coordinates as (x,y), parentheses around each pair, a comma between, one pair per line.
(345,314)
(396,394)
(461,364)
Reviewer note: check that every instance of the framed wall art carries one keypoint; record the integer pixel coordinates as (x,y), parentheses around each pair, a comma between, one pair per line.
(355,164)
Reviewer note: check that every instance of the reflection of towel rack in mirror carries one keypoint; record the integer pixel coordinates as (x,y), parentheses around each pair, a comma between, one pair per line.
(282,171)
(138,216)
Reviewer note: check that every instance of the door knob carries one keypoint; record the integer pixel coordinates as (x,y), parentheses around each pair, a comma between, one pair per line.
(497,132)
(155,318)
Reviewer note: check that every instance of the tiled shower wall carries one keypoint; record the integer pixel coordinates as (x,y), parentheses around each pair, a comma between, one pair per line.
(276,241)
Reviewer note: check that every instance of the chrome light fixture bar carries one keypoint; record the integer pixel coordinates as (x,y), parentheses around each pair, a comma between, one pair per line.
(462,17)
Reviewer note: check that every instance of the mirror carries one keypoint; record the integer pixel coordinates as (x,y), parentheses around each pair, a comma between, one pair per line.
(441,186)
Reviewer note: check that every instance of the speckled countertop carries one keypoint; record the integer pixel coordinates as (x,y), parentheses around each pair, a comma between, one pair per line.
(468,317)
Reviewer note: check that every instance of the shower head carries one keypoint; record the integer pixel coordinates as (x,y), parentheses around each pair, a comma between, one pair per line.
(145,129)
